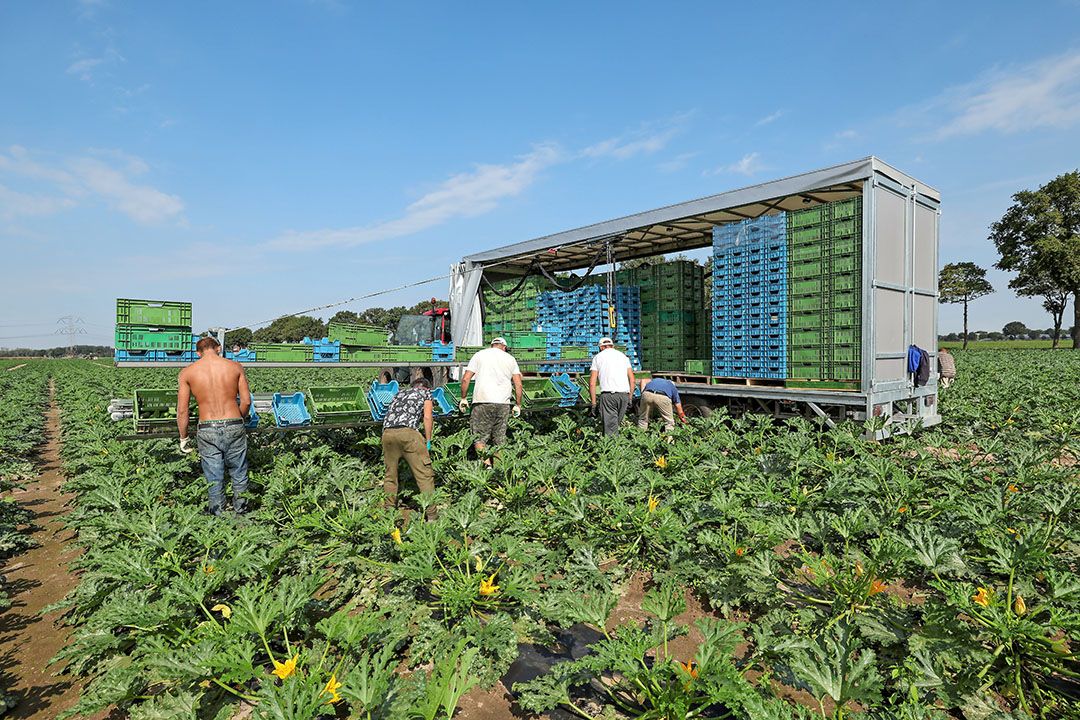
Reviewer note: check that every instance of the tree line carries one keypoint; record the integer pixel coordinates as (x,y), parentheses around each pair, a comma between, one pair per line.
(294,328)
(1038,238)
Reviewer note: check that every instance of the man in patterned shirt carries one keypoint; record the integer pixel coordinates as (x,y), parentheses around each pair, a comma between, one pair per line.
(402,439)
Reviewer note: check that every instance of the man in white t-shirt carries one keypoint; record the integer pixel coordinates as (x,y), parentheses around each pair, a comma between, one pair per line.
(496,372)
(615,375)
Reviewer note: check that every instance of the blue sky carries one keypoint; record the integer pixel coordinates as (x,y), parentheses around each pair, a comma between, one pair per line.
(261,158)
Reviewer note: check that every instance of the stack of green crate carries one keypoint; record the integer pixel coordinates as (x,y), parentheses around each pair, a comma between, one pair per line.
(825,293)
(513,314)
(673,317)
(152,325)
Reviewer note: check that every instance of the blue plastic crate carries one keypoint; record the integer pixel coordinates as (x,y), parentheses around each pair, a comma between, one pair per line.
(289,410)
(440,404)
(380,396)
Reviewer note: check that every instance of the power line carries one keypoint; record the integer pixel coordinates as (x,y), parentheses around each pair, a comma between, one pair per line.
(71,328)
(343,302)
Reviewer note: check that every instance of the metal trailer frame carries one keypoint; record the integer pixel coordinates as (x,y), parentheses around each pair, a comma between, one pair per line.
(901,218)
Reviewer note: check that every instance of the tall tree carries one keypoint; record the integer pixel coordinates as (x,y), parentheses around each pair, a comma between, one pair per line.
(292,328)
(239,336)
(345,316)
(962,283)
(1015,328)
(1038,238)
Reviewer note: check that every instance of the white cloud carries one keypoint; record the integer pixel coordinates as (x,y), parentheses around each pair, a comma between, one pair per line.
(87,68)
(481,190)
(648,139)
(748,164)
(464,195)
(101,175)
(677,163)
(14,204)
(769,118)
(1045,93)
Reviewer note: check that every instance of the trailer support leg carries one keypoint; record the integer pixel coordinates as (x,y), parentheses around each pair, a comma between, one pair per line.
(821,413)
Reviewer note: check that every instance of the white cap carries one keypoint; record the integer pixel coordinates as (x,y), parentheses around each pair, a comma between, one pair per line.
(606,341)
(498,341)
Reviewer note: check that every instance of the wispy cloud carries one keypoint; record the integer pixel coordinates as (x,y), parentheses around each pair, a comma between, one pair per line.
(648,139)
(480,190)
(88,68)
(748,164)
(14,204)
(841,138)
(463,195)
(772,117)
(1044,93)
(677,163)
(107,176)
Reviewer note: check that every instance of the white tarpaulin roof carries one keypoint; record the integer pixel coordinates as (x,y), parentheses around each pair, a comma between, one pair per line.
(688,225)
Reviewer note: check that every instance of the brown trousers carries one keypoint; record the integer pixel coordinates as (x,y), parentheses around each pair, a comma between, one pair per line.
(409,444)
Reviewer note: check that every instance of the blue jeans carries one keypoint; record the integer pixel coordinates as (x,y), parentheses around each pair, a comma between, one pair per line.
(221,447)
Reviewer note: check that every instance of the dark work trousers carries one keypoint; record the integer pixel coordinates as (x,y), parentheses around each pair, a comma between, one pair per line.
(613,407)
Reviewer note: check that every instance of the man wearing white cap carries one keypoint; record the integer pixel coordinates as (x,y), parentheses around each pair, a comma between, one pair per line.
(496,372)
(615,375)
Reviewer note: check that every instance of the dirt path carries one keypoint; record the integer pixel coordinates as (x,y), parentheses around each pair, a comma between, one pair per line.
(35,579)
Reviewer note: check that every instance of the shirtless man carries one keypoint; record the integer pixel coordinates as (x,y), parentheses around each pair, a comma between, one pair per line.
(222,440)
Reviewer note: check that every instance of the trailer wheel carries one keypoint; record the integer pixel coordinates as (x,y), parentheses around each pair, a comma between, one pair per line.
(693,410)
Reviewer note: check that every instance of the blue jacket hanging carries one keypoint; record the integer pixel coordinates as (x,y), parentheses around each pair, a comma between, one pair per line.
(914,355)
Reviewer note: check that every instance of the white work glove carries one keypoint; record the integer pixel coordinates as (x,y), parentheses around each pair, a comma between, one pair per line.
(463,406)
(516,411)
(186,447)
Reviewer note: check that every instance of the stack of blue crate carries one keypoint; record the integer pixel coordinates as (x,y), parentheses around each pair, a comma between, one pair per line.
(580,318)
(441,352)
(241,355)
(324,349)
(750,298)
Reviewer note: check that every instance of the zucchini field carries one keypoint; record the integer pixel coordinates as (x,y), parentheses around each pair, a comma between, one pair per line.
(744,569)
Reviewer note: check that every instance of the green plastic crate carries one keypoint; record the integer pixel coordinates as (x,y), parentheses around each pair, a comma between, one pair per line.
(332,405)
(803,303)
(154,313)
(155,408)
(846,226)
(844,371)
(540,393)
(803,253)
(808,286)
(462,353)
(807,371)
(852,207)
(811,235)
(821,385)
(845,244)
(814,336)
(844,318)
(283,352)
(845,299)
(358,334)
(807,268)
(845,335)
(803,355)
(845,281)
(696,367)
(847,263)
(844,354)
(529,353)
(138,337)
(574,352)
(517,340)
(809,216)
(806,320)
(361,354)
(405,354)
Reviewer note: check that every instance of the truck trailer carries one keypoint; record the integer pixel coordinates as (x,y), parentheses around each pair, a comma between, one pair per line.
(887,224)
